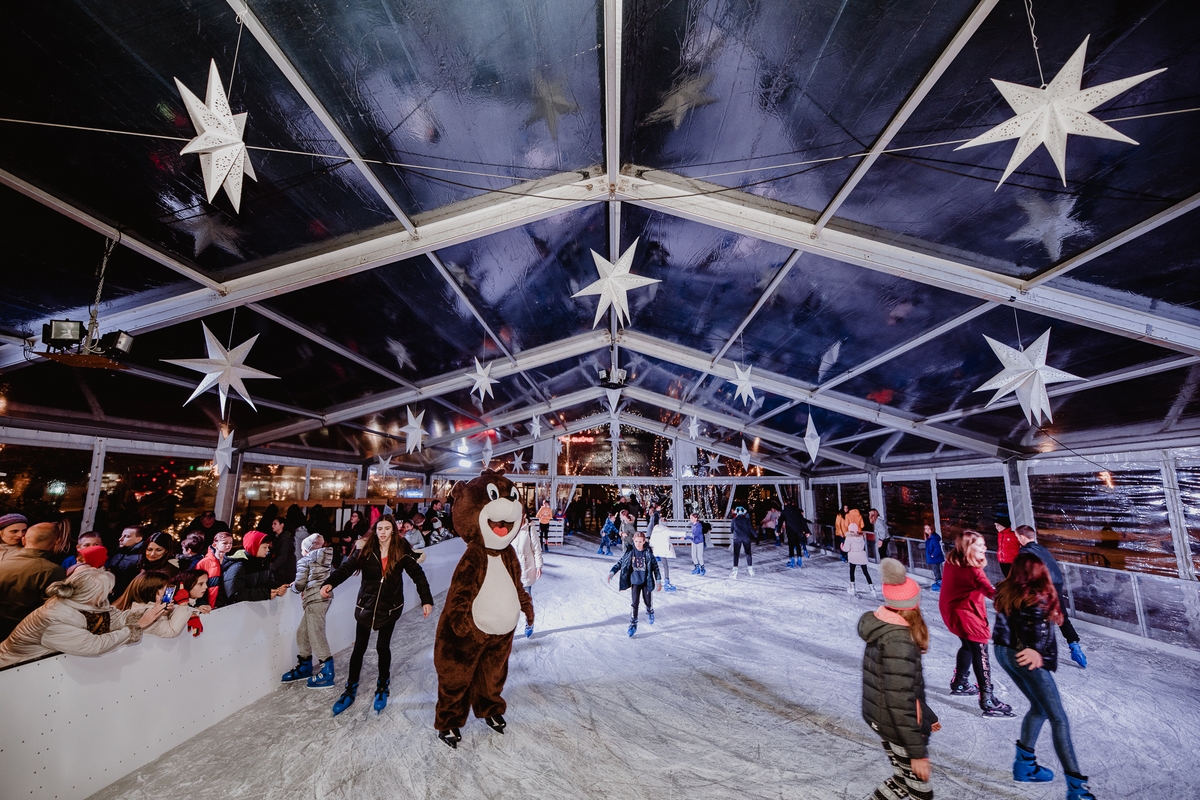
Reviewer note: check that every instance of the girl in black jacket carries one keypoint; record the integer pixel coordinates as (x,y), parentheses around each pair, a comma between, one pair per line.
(1027,611)
(893,700)
(382,557)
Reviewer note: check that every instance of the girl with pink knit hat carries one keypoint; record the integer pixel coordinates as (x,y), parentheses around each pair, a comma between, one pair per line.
(893,701)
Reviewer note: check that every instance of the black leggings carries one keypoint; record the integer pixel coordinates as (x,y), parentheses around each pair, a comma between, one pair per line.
(866,574)
(737,548)
(974,654)
(793,550)
(641,591)
(383,646)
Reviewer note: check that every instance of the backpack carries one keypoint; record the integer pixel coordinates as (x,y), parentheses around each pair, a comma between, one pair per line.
(706,527)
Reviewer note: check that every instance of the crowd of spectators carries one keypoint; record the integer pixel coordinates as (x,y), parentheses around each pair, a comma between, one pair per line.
(60,594)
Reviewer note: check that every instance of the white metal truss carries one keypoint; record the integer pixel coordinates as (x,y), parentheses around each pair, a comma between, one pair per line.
(961,37)
(772,221)
(713,445)
(614,15)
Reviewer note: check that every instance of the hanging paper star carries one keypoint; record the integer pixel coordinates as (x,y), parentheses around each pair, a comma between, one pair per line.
(1050,223)
(614,400)
(558,445)
(1046,116)
(412,431)
(714,463)
(828,359)
(1025,373)
(223,157)
(483,380)
(694,428)
(535,427)
(487,454)
(223,457)
(518,463)
(745,392)
(223,368)
(614,284)
(745,455)
(671,451)
(812,441)
(549,102)
(687,94)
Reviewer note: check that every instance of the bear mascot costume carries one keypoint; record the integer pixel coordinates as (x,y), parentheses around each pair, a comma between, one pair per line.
(483,606)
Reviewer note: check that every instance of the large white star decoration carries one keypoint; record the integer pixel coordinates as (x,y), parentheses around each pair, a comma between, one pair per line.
(1050,223)
(694,428)
(483,380)
(1025,373)
(535,427)
(614,284)
(486,458)
(812,440)
(558,445)
(671,451)
(714,463)
(383,464)
(223,368)
(745,392)
(223,457)
(223,157)
(1046,116)
(412,431)
(745,455)
(518,463)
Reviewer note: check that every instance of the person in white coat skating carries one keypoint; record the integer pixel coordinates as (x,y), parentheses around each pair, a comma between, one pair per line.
(529,554)
(660,543)
(855,547)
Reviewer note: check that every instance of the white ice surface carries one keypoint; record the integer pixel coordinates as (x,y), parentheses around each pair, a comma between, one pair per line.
(746,688)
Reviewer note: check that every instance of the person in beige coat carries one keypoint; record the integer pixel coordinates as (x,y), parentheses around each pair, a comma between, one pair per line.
(529,555)
(76,620)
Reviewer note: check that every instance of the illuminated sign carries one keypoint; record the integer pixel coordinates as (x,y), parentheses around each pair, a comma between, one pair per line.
(577,439)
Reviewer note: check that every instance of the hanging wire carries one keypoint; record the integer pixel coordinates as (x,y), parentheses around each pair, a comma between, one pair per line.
(1036,55)
(1017,322)
(92,343)
(237,49)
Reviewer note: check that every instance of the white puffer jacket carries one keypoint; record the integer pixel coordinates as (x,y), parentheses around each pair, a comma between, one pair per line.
(171,623)
(660,542)
(528,546)
(60,626)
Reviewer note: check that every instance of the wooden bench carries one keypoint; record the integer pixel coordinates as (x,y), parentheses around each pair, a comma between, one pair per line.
(719,536)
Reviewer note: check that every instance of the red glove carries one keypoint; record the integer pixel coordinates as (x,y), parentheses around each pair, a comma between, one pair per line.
(196,627)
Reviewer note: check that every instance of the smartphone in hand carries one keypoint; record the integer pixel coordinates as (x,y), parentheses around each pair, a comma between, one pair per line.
(168,594)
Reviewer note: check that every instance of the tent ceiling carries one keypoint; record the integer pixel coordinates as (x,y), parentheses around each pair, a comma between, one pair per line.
(433,176)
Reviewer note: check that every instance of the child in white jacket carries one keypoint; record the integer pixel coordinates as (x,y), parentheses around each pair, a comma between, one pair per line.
(529,555)
(311,571)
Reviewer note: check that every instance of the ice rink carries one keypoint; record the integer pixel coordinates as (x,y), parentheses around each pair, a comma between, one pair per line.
(746,688)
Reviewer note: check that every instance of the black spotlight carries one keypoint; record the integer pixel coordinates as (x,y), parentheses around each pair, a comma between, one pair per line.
(62,333)
(115,344)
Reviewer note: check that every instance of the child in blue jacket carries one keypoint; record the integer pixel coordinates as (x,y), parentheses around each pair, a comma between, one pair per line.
(697,539)
(639,572)
(934,556)
(608,534)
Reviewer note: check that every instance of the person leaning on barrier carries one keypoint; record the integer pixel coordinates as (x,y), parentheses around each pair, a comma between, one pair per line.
(76,620)
(25,576)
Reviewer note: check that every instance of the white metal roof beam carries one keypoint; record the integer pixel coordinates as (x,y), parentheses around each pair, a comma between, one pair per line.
(833,401)
(634,421)
(613,18)
(461,222)
(772,221)
(964,34)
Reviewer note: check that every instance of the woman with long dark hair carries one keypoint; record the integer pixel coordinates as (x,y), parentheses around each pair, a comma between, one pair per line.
(1027,611)
(382,557)
(964,587)
(159,555)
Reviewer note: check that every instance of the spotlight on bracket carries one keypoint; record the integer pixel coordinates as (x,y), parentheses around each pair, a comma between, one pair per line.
(612,379)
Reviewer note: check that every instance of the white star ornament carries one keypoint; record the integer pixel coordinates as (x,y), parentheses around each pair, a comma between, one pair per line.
(745,455)
(714,464)
(518,463)
(745,392)
(223,368)
(1025,373)
(614,284)
(486,459)
(1046,116)
(812,440)
(223,157)
(412,431)
(223,457)
(483,380)
(694,428)
(384,465)
(535,427)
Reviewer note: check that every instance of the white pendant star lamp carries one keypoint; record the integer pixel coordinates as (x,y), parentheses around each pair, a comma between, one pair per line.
(518,463)
(223,157)
(614,284)
(714,464)
(535,427)
(486,458)
(1046,116)
(223,457)
(412,431)
(384,465)
(223,369)
(1025,374)
(483,380)
(745,455)
(812,440)
(745,392)
(694,428)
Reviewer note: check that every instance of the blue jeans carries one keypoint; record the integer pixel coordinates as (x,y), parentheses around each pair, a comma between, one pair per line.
(1044,703)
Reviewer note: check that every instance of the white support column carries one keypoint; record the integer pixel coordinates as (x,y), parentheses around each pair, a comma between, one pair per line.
(937,511)
(1179,532)
(307,480)
(875,490)
(808,503)
(227,486)
(1020,499)
(360,487)
(92,502)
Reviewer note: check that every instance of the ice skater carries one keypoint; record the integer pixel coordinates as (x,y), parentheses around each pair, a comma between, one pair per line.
(893,698)
(664,551)
(795,528)
(855,548)
(963,611)
(1027,537)
(1027,606)
(609,535)
(529,555)
(311,571)
(639,573)
(697,539)
(934,556)
(382,556)
(742,532)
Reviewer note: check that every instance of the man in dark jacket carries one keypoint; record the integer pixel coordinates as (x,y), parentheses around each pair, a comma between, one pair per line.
(795,529)
(742,533)
(1027,536)
(25,576)
(208,525)
(124,563)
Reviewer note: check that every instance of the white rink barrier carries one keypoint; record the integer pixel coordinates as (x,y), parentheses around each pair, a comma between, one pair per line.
(72,725)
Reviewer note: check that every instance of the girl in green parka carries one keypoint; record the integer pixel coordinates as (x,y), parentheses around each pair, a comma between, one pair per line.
(893,702)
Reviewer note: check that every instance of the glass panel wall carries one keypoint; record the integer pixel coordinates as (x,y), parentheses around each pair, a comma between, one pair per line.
(331,484)
(264,485)
(643,454)
(586,453)
(164,493)
(971,504)
(707,500)
(44,483)
(908,507)
(1189,495)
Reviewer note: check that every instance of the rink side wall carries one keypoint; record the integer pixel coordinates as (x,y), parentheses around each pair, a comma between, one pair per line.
(73,725)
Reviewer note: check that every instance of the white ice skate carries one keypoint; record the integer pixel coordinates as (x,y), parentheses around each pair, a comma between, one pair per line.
(750,571)
(850,590)
(733,574)
(874,592)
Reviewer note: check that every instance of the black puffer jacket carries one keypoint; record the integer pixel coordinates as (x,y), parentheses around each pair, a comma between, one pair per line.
(244,578)
(1024,628)
(893,701)
(794,524)
(380,598)
(741,528)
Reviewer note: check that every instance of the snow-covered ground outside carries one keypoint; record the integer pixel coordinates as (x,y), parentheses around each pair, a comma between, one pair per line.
(746,688)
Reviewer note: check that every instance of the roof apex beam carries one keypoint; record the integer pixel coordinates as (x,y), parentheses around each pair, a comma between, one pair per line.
(613,19)
(634,421)
(964,34)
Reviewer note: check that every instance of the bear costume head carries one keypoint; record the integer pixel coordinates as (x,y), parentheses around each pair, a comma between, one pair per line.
(487,510)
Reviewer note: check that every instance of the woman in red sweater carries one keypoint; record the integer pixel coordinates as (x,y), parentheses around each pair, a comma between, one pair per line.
(964,587)
(1006,547)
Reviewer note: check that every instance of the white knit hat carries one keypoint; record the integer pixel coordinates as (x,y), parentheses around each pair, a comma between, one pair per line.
(309,543)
